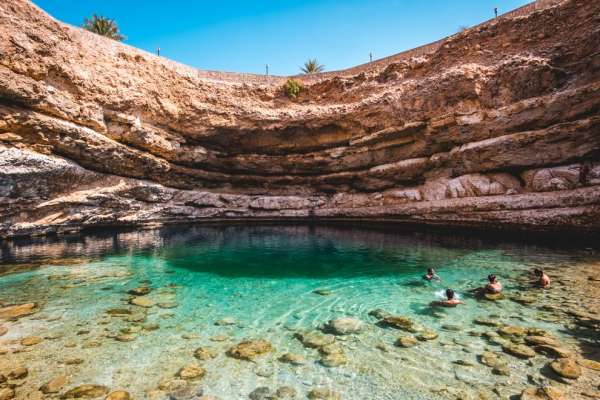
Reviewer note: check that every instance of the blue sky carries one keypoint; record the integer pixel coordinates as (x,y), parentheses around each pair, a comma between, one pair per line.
(243,36)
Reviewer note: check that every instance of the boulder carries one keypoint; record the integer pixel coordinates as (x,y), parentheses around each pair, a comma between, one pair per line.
(142,301)
(323,394)
(314,339)
(397,321)
(518,350)
(87,391)
(566,367)
(118,395)
(406,341)
(250,349)
(54,385)
(191,371)
(17,311)
(542,393)
(344,326)
(294,359)
(7,393)
(139,291)
(205,353)
(333,360)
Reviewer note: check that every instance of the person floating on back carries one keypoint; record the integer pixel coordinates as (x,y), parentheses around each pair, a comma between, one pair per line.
(451,300)
(431,275)
(542,280)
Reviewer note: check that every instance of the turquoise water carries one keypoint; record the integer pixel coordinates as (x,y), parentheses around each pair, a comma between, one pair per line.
(264,279)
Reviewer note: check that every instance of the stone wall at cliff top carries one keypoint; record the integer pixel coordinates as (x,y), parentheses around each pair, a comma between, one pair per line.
(499,127)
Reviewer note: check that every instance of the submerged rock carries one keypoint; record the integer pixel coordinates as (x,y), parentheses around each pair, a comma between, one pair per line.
(566,367)
(139,291)
(427,335)
(379,313)
(142,301)
(323,394)
(118,395)
(54,385)
(191,371)
(323,292)
(344,326)
(406,341)
(590,364)
(18,373)
(397,321)
(205,353)
(7,394)
(261,393)
(250,349)
(542,393)
(86,392)
(333,359)
(225,321)
(31,341)
(17,311)
(512,331)
(285,392)
(294,359)
(518,350)
(314,339)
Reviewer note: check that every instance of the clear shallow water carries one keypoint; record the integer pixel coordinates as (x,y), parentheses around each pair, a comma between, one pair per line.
(264,278)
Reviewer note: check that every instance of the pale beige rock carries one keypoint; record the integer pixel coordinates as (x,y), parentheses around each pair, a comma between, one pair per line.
(506,138)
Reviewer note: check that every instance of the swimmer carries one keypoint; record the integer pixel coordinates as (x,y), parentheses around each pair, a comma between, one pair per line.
(451,300)
(542,280)
(494,285)
(431,275)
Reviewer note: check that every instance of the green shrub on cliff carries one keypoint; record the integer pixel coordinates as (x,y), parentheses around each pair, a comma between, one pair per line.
(292,88)
(103,26)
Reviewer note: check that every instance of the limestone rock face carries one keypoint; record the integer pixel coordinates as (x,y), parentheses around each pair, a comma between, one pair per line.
(498,127)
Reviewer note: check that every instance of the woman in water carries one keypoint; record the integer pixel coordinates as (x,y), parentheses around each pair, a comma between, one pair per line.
(542,280)
(451,300)
(431,275)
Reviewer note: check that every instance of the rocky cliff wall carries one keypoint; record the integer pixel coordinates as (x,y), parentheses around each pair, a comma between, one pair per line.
(498,127)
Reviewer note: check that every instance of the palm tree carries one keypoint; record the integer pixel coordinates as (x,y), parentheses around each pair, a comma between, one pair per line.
(312,66)
(103,26)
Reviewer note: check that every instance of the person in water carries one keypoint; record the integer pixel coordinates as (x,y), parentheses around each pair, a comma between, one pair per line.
(431,275)
(494,285)
(451,300)
(542,280)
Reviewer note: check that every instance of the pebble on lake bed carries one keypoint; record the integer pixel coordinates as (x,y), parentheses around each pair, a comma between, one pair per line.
(17,311)
(85,391)
(191,372)
(118,395)
(344,326)
(250,349)
(54,385)
(566,368)
(323,394)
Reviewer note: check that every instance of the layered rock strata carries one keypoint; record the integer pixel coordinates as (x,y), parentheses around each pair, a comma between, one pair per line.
(499,127)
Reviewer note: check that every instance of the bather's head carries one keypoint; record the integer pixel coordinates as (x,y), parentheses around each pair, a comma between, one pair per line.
(492,278)
(430,271)
(450,294)
(538,272)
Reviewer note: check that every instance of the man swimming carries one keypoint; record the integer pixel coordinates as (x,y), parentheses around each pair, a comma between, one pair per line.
(431,275)
(451,300)
(542,280)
